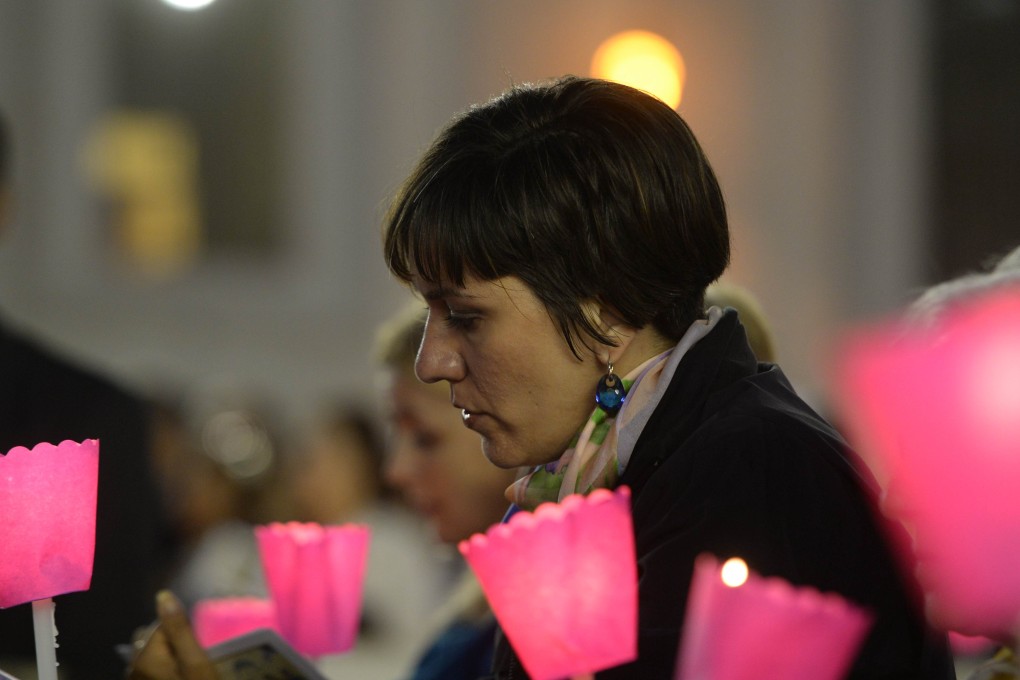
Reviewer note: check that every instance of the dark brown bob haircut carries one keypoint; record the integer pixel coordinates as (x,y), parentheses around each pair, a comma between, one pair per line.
(586,190)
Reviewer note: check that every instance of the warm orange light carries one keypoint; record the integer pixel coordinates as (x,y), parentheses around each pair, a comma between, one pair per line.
(147,163)
(734,572)
(643,60)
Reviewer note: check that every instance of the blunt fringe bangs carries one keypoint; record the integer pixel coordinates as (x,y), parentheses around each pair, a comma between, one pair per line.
(584,189)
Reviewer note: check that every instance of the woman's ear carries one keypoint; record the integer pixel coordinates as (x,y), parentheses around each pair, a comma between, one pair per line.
(609,322)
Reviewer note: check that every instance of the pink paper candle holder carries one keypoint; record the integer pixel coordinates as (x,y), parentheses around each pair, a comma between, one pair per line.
(219,619)
(935,413)
(562,582)
(765,628)
(48,533)
(315,576)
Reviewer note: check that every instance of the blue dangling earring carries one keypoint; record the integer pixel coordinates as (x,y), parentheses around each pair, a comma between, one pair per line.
(610,393)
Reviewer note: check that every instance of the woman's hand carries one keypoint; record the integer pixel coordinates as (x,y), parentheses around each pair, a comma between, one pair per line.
(170,651)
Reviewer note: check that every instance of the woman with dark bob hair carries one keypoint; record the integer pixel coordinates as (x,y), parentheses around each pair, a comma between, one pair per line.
(562,236)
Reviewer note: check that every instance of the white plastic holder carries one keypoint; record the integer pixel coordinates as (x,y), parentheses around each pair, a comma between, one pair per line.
(45,638)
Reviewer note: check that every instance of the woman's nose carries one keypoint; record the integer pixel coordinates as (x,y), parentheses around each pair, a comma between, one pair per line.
(438,356)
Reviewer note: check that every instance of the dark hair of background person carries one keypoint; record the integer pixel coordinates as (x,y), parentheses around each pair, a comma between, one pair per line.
(586,190)
(346,420)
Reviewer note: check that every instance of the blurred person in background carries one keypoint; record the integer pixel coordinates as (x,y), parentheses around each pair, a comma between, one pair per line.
(931,306)
(437,464)
(335,476)
(219,476)
(46,396)
(933,303)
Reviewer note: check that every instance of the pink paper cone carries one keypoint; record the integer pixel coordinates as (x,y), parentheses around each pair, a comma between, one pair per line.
(315,576)
(937,415)
(970,645)
(766,628)
(216,620)
(48,529)
(563,583)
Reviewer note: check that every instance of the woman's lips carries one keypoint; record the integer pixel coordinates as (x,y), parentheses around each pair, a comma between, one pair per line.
(470,418)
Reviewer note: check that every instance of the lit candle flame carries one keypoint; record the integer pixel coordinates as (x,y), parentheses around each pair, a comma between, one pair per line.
(734,572)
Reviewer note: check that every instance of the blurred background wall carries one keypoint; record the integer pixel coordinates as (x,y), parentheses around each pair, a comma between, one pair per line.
(198,194)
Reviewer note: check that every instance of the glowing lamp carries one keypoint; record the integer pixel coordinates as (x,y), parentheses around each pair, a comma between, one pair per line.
(189,5)
(643,60)
(315,576)
(220,619)
(936,414)
(48,533)
(562,582)
(749,627)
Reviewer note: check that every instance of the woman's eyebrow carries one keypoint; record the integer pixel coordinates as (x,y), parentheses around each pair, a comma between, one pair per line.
(440,293)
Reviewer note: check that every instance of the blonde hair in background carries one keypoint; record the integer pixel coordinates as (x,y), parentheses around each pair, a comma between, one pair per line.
(759,332)
(398,339)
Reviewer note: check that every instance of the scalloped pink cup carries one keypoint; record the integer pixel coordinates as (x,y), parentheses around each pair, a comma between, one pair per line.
(766,628)
(218,619)
(315,575)
(48,528)
(937,415)
(562,582)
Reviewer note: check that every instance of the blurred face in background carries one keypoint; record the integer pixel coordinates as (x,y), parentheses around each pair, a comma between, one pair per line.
(437,463)
(332,481)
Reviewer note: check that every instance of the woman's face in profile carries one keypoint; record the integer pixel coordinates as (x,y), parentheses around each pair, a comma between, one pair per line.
(437,463)
(510,371)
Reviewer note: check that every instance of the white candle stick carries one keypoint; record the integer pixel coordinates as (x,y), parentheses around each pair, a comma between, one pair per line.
(45,638)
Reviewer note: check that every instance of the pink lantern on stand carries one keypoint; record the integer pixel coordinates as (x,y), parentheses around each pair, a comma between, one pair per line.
(220,619)
(315,576)
(48,532)
(936,414)
(562,582)
(740,626)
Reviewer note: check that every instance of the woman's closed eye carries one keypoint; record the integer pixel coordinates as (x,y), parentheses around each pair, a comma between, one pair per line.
(461,320)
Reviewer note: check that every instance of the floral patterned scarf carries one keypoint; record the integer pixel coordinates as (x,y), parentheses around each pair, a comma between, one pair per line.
(600,452)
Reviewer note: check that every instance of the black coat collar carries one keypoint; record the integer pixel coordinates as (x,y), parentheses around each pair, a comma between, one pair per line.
(714,362)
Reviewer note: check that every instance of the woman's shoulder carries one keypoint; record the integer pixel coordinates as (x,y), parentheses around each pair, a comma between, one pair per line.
(757,433)
(752,454)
